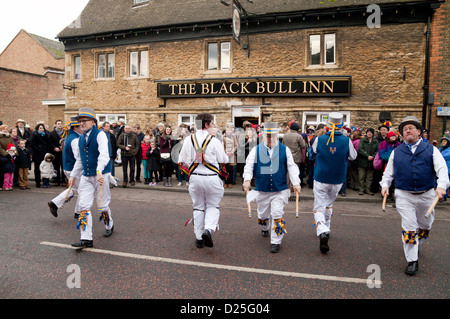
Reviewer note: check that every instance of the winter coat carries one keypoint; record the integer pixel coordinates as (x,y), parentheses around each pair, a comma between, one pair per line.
(145,148)
(5,139)
(8,163)
(367,148)
(24,158)
(153,159)
(128,139)
(45,167)
(296,143)
(40,145)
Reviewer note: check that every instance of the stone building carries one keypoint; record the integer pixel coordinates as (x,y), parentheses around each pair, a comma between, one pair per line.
(156,61)
(31,79)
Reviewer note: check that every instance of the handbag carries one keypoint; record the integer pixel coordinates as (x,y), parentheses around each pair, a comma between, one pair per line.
(165,157)
(377,162)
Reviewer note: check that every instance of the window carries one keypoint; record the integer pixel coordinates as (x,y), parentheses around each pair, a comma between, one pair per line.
(77,67)
(322,49)
(138,63)
(189,119)
(105,65)
(219,56)
(316,118)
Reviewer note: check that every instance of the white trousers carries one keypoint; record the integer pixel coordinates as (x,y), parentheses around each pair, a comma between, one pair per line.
(324,197)
(206,193)
(412,209)
(271,206)
(59,200)
(87,191)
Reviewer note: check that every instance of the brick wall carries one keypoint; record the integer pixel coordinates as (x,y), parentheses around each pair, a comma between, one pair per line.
(27,55)
(375,58)
(440,68)
(20,97)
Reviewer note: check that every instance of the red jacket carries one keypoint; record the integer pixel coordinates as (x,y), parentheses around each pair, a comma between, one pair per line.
(145,147)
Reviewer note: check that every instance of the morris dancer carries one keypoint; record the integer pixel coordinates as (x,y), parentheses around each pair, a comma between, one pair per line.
(416,166)
(93,162)
(330,171)
(270,162)
(70,136)
(204,159)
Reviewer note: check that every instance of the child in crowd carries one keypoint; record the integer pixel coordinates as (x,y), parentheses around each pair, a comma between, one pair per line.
(46,168)
(145,145)
(153,163)
(9,166)
(23,162)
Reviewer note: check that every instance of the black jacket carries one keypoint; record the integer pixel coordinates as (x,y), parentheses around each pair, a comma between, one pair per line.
(24,158)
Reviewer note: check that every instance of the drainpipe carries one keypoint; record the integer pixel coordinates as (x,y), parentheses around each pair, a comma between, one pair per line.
(427,77)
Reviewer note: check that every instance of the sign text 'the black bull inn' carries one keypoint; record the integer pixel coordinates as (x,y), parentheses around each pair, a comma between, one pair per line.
(308,86)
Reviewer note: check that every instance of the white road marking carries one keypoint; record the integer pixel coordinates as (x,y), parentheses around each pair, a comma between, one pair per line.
(218,266)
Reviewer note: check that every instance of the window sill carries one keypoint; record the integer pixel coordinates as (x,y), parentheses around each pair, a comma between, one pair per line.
(321,67)
(131,78)
(217,72)
(104,79)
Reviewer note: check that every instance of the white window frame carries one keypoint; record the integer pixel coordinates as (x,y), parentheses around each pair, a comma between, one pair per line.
(191,119)
(74,57)
(107,61)
(222,65)
(109,117)
(321,118)
(323,50)
(141,56)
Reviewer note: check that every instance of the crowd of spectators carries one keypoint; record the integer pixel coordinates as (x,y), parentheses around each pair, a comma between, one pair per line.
(150,155)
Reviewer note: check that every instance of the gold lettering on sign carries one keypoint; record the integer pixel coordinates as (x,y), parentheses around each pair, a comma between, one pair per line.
(281,91)
(260,87)
(290,88)
(205,88)
(231,88)
(172,86)
(330,88)
(268,87)
(244,87)
(223,89)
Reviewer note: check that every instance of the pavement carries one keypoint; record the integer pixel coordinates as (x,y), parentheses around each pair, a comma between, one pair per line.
(236,190)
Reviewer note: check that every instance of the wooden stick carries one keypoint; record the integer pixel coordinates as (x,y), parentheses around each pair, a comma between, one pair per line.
(99,203)
(383,206)
(430,210)
(296,204)
(249,208)
(68,192)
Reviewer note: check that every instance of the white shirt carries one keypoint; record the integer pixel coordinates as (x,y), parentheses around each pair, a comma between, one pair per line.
(214,152)
(103,158)
(440,167)
(291,166)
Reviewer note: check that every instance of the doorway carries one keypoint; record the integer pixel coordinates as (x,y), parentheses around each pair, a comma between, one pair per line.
(239,121)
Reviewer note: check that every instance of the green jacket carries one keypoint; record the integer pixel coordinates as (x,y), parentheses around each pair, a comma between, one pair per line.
(365,150)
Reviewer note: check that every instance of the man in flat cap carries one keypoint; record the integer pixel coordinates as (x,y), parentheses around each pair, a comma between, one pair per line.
(269,163)
(93,162)
(420,174)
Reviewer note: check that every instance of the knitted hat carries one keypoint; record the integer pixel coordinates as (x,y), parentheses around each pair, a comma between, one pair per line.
(295,127)
(11,147)
(390,134)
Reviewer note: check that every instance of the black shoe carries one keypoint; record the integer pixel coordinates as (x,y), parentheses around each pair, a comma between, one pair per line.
(84,244)
(108,232)
(207,240)
(412,268)
(274,248)
(76,215)
(199,243)
(265,233)
(53,209)
(324,243)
